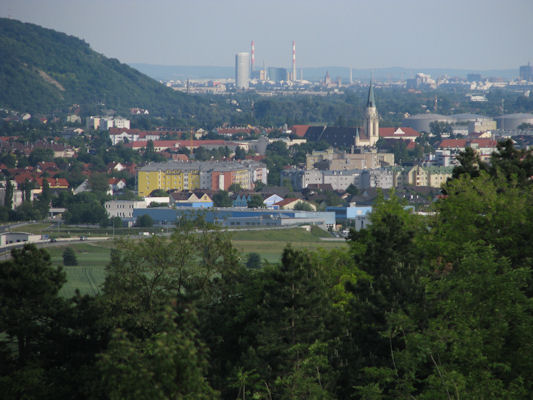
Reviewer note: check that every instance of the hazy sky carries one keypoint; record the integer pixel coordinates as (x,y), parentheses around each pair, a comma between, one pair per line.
(472,34)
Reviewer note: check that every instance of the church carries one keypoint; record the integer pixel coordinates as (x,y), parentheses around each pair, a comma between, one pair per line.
(351,138)
(369,134)
(366,136)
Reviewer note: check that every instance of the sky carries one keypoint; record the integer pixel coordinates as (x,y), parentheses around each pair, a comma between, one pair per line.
(463,34)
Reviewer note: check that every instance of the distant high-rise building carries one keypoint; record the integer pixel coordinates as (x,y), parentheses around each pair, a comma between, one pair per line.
(242,70)
(473,77)
(526,72)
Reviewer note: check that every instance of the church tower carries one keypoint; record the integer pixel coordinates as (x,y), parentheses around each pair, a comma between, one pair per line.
(371,118)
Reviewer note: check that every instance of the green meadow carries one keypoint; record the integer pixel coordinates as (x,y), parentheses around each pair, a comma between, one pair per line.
(88,276)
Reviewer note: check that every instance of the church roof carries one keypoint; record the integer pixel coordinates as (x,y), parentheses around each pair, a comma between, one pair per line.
(334,136)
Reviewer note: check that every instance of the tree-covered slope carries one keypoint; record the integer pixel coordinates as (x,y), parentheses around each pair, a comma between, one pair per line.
(42,70)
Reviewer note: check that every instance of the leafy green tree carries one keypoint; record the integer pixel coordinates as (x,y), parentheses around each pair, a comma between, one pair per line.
(84,208)
(41,154)
(256,201)
(99,182)
(29,287)
(512,163)
(253,261)
(222,199)
(8,198)
(292,317)
(43,203)
(240,153)
(469,163)
(303,206)
(159,193)
(235,187)
(388,253)
(166,365)
(69,257)
(352,189)
(145,221)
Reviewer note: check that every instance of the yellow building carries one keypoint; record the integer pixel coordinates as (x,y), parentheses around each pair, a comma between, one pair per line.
(193,175)
(167,176)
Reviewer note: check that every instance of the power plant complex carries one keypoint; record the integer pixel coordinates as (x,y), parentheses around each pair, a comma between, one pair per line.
(245,69)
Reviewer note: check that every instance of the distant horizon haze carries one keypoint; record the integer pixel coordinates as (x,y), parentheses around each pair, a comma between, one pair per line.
(456,34)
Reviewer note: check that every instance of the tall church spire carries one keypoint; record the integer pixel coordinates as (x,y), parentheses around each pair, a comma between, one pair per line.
(371,102)
(371,118)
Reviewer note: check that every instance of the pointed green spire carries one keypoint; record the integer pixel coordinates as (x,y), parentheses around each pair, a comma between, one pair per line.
(371,102)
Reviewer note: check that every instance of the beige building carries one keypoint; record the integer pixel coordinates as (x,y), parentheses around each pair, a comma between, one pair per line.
(339,161)
(427,176)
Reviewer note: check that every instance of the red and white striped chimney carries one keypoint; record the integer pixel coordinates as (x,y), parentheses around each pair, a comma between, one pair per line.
(252,62)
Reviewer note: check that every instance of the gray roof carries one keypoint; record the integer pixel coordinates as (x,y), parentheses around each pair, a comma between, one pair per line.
(202,166)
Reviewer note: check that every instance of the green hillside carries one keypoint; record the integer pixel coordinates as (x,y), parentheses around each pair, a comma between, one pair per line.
(42,70)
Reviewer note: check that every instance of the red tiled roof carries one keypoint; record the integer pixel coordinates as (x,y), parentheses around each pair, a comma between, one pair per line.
(485,143)
(398,132)
(299,130)
(462,143)
(284,202)
(453,143)
(54,183)
(232,131)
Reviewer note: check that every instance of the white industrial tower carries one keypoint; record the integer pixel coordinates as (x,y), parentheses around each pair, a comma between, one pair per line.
(242,70)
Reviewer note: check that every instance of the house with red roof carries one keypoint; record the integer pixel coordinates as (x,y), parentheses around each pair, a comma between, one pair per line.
(290,203)
(116,185)
(53,183)
(484,147)
(403,133)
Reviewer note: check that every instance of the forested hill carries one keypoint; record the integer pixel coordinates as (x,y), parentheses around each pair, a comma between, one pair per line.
(45,71)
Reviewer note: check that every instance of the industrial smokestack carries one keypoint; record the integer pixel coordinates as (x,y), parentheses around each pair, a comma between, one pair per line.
(252,63)
(293,60)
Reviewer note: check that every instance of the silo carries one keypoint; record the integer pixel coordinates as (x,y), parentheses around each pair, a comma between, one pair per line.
(242,70)
(513,121)
(421,122)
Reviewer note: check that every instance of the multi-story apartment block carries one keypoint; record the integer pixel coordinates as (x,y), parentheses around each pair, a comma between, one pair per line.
(331,160)
(427,176)
(209,175)
(105,123)
(377,178)
(339,180)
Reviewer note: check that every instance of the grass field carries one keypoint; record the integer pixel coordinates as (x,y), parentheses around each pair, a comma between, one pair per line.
(89,275)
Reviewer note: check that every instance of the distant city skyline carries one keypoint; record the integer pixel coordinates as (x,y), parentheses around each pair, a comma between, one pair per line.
(463,34)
